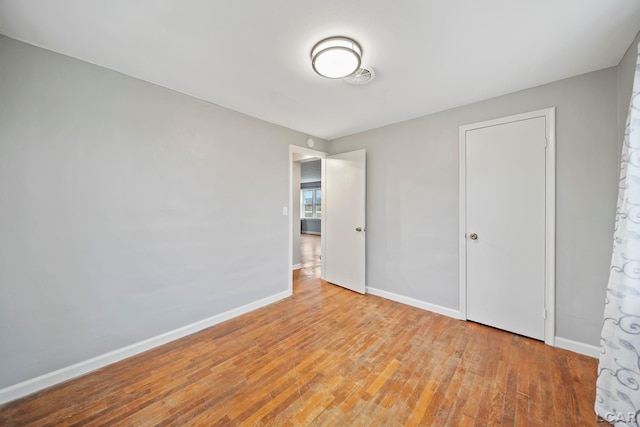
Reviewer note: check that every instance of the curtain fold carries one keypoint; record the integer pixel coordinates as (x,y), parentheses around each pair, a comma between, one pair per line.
(618,383)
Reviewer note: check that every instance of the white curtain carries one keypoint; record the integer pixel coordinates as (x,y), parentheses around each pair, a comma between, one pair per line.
(618,384)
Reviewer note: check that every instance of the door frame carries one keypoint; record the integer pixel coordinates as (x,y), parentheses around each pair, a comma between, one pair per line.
(550,213)
(296,149)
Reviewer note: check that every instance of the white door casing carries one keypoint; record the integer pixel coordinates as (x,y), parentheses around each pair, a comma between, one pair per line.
(344,227)
(507,200)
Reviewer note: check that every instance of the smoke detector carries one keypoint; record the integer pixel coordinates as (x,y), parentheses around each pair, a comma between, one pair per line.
(360,76)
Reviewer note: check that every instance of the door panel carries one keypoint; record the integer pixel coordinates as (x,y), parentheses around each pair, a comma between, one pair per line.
(344,187)
(505,202)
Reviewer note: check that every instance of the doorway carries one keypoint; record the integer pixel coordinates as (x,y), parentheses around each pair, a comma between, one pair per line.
(297,156)
(308,248)
(343,198)
(507,223)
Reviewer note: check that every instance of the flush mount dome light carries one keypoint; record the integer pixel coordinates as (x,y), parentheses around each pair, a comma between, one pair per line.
(336,57)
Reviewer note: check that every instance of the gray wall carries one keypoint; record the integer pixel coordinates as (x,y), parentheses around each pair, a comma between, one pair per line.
(124,210)
(412,197)
(311,171)
(626,71)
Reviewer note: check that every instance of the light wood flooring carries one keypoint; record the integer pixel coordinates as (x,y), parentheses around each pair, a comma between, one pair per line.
(328,356)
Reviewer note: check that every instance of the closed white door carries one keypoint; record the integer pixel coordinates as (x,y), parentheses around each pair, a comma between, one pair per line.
(506,225)
(344,186)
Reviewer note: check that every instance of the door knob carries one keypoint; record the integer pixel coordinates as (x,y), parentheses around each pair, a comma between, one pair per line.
(358,229)
(473,236)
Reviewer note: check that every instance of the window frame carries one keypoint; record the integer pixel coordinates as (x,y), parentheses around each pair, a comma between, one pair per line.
(314,209)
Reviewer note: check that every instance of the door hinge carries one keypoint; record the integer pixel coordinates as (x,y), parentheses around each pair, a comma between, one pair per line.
(544,313)
(546,143)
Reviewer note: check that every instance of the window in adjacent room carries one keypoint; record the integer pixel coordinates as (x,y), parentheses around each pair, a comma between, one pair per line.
(311,203)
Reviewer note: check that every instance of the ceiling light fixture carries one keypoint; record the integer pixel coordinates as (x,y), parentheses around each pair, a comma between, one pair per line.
(336,57)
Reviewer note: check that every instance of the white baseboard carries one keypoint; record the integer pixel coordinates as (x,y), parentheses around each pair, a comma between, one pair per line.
(296,266)
(52,378)
(445,311)
(316,233)
(578,347)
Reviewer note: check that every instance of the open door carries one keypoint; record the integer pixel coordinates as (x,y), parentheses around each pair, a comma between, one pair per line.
(344,186)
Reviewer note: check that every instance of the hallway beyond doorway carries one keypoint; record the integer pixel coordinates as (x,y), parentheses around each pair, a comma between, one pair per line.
(310,255)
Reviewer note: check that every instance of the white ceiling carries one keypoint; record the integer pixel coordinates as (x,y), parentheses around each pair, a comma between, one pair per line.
(253,55)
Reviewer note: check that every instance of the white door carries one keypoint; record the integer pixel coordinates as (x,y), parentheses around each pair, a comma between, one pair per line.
(344,186)
(505,230)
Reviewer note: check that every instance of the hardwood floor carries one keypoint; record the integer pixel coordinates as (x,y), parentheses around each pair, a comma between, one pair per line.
(310,256)
(328,356)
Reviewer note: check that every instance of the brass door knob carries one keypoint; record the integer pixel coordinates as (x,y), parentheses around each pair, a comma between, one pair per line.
(358,229)
(473,236)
